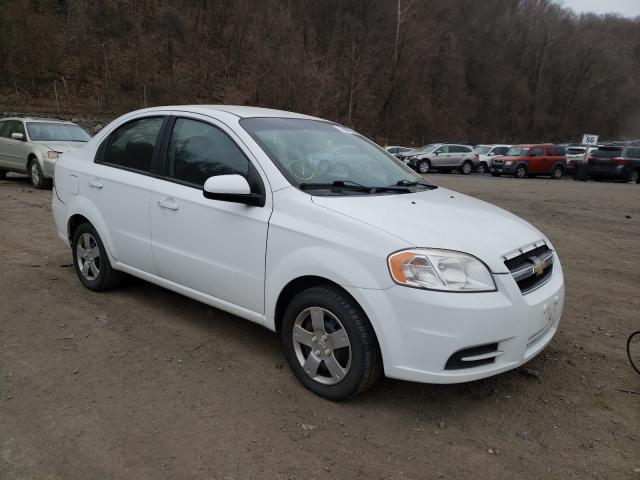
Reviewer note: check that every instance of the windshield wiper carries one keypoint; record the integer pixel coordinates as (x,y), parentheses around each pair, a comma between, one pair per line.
(411,183)
(354,186)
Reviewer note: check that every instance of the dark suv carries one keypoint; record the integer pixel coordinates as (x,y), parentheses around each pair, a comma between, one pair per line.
(615,162)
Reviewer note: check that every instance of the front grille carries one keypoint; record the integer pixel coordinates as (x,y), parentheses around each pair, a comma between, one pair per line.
(531,269)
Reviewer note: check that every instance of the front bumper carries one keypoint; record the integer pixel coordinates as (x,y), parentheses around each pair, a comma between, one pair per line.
(419,331)
(503,169)
(48,165)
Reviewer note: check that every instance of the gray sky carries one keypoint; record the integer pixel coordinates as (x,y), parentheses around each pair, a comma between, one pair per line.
(627,8)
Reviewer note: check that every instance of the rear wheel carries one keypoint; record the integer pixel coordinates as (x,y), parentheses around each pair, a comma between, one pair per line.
(467,167)
(634,177)
(424,166)
(557,172)
(36,176)
(521,171)
(329,343)
(91,261)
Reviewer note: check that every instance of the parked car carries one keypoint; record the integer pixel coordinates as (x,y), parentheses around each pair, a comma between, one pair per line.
(576,154)
(32,145)
(223,205)
(531,160)
(398,150)
(615,162)
(486,154)
(444,157)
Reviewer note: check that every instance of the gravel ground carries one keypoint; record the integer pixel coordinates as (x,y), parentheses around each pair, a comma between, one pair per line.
(141,383)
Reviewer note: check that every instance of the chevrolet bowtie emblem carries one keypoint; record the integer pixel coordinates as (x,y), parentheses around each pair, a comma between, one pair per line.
(538,267)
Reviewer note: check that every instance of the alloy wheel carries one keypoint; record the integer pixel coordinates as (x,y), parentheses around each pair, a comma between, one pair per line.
(88,256)
(322,345)
(423,167)
(35,173)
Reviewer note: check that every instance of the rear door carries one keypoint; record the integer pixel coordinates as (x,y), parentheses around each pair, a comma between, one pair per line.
(119,183)
(537,161)
(214,247)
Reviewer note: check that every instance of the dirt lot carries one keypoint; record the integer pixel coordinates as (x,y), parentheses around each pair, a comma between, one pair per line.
(141,383)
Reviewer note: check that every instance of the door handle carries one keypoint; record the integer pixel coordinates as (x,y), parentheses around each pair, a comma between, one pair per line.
(168,205)
(95,184)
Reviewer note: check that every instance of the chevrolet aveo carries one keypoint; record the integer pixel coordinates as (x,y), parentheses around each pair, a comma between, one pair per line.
(313,231)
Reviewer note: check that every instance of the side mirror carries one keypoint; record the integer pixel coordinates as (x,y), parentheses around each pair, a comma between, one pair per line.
(17,136)
(231,188)
(491,154)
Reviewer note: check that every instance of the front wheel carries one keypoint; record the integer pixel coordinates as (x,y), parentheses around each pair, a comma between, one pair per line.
(633,177)
(329,343)
(36,176)
(424,166)
(482,168)
(467,167)
(521,172)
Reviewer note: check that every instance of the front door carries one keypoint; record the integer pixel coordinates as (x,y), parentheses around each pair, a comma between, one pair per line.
(214,247)
(537,161)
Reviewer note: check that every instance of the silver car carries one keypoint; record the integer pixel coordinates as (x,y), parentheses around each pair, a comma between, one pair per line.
(445,157)
(32,146)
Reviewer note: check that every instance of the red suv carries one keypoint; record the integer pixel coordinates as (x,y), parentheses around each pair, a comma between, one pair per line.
(531,160)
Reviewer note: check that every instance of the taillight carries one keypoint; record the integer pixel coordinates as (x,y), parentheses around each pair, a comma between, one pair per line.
(591,159)
(477,155)
(619,161)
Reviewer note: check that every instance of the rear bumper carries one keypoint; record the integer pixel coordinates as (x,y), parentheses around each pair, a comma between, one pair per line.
(421,331)
(609,171)
(59,211)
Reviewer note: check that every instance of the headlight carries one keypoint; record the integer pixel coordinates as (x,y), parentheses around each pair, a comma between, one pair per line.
(52,155)
(444,270)
(509,162)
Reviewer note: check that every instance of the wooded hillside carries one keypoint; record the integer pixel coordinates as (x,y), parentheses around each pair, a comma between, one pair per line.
(408,71)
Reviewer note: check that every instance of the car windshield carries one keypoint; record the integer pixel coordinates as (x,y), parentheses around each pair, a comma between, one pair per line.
(322,155)
(56,132)
(482,150)
(517,151)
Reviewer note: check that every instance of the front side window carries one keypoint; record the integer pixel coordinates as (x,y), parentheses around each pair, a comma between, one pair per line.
(56,132)
(443,149)
(198,150)
(16,127)
(482,150)
(315,153)
(132,144)
(536,152)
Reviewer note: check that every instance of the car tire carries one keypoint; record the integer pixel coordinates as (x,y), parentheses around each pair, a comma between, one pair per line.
(3,174)
(482,168)
(494,174)
(557,172)
(467,167)
(520,172)
(90,260)
(424,166)
(330,344)
(633,177)
(36,176)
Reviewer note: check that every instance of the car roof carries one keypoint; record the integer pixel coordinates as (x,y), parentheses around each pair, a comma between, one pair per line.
(37,119)
(237,110)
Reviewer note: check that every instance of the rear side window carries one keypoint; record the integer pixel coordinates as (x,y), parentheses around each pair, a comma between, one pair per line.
(536,152)
(607,153)
(132,144)
(198,150)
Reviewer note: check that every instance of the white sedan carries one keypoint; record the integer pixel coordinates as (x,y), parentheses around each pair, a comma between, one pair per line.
(313,231)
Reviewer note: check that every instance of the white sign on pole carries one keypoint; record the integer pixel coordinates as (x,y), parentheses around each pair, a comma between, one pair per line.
(589,139)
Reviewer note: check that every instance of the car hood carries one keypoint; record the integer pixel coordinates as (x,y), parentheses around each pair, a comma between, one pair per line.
(62,147)
(441,218)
